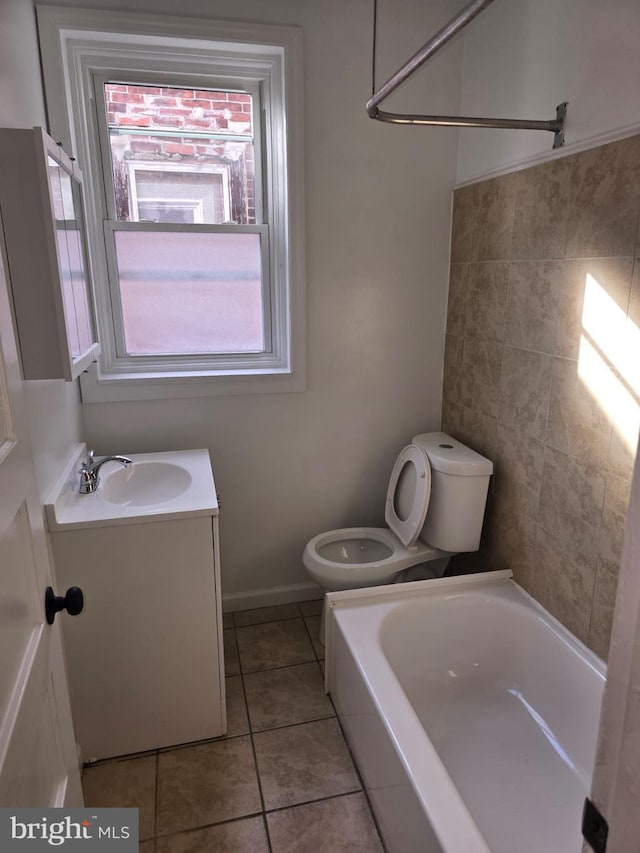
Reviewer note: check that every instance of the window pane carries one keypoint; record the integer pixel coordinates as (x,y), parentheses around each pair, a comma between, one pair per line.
(190,293)
(67,210)
(60,188)
(80,285)
(181,153)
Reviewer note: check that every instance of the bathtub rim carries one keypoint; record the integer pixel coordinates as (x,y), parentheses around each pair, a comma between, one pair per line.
(452,822)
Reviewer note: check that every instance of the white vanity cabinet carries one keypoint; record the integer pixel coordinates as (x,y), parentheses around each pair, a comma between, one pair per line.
(145,657)
(44,228)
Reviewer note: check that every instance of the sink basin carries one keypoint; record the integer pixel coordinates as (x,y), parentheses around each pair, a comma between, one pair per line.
(157,486)
(144,484)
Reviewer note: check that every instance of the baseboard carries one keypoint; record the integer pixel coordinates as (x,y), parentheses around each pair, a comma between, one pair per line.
(270,596)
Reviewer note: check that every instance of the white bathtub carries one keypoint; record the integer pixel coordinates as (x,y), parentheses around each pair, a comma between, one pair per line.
(472,714)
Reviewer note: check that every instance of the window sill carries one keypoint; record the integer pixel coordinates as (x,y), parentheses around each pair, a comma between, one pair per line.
(144,386)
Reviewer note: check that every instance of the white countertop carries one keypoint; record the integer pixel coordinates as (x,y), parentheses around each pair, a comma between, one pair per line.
(67,509)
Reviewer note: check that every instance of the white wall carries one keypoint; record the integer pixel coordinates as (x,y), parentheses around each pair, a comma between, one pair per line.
(54,406)
(377,212)
(55,419)
(21,100)
(523,57)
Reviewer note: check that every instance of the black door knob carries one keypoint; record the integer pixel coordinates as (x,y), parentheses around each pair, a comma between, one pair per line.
(72,602)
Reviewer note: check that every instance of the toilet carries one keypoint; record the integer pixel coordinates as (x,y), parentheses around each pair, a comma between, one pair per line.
(434,508)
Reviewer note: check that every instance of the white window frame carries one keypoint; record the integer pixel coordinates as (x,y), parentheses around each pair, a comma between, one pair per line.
(191,205)
(134,166)
(79,47)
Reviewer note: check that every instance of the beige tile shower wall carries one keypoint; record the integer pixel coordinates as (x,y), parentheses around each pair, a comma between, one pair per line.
(542,370)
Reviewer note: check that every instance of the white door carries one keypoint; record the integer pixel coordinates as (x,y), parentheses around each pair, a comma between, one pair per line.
(38,765)
(616,777)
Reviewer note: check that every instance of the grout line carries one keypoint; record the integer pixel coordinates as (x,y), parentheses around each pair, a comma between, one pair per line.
(253,733)
(294,725)
(584,460)
(116,759)
(282,666)
(263,624)
(265,823)
(317,800)
(552,384)
(267,621)
(313,645)
(298,604)
(220,738)
(333,716)
(206,742)
(208,826)
(593,601)
(503,347)
(255,756)
(263,814)
(598,560)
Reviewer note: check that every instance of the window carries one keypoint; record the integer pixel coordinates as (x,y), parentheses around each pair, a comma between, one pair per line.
(189,136)
(171,142)
(177,158)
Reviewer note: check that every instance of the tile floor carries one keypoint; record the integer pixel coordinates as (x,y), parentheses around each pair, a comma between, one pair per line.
(282,780)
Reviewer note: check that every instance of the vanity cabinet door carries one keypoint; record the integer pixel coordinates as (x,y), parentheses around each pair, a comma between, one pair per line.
(42,208)
(145,657)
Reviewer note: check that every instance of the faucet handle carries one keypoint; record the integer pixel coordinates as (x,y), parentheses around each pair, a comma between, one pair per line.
(86,464)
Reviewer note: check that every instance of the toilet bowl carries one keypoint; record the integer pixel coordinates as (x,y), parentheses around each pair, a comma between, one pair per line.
(361,556)
(434,508)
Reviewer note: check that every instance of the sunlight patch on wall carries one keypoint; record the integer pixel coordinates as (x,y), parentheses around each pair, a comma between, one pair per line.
(610,345)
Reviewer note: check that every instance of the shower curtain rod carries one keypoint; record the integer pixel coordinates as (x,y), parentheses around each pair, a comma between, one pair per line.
(555,126)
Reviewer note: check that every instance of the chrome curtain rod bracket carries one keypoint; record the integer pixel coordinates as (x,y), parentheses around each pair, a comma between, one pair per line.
(555,126)
(457,23)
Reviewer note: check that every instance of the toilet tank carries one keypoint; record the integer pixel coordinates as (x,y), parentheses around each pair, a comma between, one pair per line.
(459,486)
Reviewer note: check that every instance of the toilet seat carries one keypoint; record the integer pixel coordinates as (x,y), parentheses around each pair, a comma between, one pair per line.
(403,491)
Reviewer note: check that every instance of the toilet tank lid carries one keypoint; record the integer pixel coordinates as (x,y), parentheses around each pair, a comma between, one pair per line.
(452,457)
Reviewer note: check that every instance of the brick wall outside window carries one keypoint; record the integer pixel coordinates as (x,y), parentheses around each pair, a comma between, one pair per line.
(162,108)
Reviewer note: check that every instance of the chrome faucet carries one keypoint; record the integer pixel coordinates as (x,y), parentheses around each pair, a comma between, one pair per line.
(90,471)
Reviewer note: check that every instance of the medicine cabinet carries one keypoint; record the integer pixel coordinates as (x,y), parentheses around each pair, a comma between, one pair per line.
(42,212)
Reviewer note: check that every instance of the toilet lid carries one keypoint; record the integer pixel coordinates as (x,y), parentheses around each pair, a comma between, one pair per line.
(408,494)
